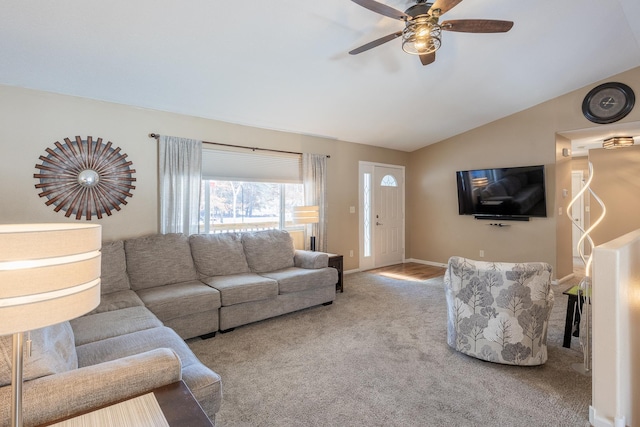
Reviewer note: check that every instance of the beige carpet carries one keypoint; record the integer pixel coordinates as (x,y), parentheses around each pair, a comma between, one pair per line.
(378,357)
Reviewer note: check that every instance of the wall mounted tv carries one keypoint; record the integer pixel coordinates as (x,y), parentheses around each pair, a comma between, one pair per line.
(515,193)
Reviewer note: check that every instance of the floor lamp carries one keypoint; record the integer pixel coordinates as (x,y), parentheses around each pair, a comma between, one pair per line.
(584,293)
(49,273)
(307,215)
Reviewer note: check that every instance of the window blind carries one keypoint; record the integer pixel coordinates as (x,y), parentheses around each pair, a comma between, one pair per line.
(230,165)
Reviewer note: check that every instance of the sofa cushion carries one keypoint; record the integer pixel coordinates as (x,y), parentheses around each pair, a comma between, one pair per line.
(205,384)
(218,254)
(113,276)
(53,351)
(239,288)
(159,259)
(296,279)
(268,250)
(134,343)
(172,301)
(311,259)
(118,300)
(100,326)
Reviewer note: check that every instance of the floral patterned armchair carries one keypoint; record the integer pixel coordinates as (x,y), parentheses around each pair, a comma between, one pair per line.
(499,312)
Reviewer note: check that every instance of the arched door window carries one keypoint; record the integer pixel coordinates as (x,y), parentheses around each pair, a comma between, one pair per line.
(388,181)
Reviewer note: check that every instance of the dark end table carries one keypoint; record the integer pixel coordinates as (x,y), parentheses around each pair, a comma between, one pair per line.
(573,316)
(336,261)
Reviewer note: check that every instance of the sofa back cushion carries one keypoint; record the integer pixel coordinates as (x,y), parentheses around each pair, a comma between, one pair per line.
(114,268)
(159,259)
(218,254)
(268,250)
(53,351)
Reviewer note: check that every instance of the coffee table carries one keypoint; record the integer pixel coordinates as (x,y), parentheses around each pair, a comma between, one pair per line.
(177,403)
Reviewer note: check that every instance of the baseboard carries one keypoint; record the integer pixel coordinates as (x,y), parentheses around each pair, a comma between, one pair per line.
(417,261)
(420,261)
(599,421)
(564,279)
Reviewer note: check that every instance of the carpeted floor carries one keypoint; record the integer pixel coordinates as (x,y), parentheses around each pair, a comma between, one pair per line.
(378,357)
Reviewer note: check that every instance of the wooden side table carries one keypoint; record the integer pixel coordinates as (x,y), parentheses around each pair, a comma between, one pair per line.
(176,401)
(336,261)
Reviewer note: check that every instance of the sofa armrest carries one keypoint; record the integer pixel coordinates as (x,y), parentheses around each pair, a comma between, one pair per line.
(53,397)
(310,259)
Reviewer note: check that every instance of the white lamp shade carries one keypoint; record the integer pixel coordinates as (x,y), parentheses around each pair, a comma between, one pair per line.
(49,273)
(306,214)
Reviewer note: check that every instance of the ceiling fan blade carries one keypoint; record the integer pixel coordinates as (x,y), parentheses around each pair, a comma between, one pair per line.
(428,58)
(375,43)
(477,26)
(382,9)
(444,5)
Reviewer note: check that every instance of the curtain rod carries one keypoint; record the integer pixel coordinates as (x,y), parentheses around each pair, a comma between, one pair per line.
(157,136)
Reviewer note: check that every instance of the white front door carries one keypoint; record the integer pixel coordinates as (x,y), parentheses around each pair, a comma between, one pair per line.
(388,215)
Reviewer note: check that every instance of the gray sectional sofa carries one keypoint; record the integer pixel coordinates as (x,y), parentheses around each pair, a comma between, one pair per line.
(157,291)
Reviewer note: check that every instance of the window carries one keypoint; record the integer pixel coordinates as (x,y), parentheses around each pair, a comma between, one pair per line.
(248,191)
(228,206)
(367,214)
(388,181)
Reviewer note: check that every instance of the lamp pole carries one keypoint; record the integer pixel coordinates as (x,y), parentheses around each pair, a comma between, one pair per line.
(16,380)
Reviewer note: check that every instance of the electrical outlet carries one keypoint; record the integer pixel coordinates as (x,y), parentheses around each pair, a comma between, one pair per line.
(351,253)
(481,253)
(352,209)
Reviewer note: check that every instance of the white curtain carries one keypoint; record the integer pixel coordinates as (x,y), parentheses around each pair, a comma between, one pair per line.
(314,178)
(180,166)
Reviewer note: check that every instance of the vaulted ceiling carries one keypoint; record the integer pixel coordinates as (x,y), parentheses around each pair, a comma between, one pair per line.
(284,64)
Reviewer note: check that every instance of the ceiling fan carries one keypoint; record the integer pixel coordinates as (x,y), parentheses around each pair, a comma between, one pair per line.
(421,35)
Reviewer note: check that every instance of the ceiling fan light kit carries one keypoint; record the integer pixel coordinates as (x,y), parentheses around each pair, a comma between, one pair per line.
(421,36)
(422,33)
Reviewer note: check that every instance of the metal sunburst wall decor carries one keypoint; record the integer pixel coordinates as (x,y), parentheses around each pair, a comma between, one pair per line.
(85,178)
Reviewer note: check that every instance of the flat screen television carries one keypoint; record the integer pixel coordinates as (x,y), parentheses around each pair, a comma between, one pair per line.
(515,193)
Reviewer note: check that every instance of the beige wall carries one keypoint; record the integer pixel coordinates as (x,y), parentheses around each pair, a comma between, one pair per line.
(435,231)
(34,120)
(564,243)
(616,180)
(582,164)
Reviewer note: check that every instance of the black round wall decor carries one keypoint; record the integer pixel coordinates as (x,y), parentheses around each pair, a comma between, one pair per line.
(85,177)
(608,102)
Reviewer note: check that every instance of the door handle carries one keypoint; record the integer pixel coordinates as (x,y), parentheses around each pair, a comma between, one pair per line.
(378,223)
